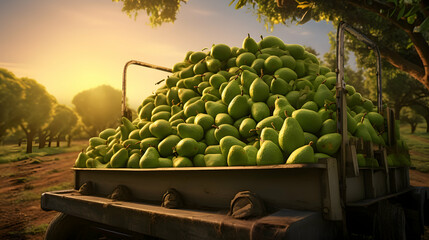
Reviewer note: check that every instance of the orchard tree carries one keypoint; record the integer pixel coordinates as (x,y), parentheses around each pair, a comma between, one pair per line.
(411,117)
(36,109)
(11,98)
(63,121)
(400,28)
(158,11)
(422,107)
(99,108)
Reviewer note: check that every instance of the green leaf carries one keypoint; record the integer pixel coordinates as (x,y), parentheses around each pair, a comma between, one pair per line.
(240,4)
(401,13)
(302,6)
(231,2)
(306,17)
(410,12)
(391,14)
(303,2)
(423,27)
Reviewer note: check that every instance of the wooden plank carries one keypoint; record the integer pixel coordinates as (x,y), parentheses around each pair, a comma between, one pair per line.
(332,209)
(352,163)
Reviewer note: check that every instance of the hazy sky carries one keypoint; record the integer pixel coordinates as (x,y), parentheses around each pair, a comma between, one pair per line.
(70,46)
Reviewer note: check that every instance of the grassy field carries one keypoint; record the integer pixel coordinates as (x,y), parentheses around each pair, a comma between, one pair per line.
(418,144)
(13,153)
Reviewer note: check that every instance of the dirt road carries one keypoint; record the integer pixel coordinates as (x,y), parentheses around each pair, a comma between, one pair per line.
(21,184)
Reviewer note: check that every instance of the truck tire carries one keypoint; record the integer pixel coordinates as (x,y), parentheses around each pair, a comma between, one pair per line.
(68,227)
(391,221)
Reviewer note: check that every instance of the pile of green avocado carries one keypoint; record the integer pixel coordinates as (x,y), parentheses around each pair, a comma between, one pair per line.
(265,103)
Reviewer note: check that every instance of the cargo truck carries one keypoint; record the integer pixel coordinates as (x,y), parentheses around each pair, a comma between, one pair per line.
(331,199)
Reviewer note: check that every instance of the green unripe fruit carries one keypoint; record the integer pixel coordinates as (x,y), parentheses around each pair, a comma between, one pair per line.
(149,142)
(304,154)
(227,142)
(226,130)
(221,52)
(297,51)
(245,58)
(271,64)
(119,159)
(259,91)
(160,128)
(190,130)
(269,154)
(165,162)
(288,61)
(160,115)
(165,147)
(250,45)
(291,135)
(215,160)
(171,81)
(196,57)
(237,156)
(95,141)
(223,118)
(216,80)
(182,162)
(204,120)
(247,128)
(198,160)
(212,149)
(272,41)
(259,111)
(150,158)
(187,147)
(107,133)
(309,120)
(329,143)
(258,64)
(81,160)
(238,107)
(134,160)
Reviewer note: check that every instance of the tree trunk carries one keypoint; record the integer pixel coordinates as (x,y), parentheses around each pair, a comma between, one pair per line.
(30,137)
(58,140)
(69,140)
(42,139)
(50,141)
(397,108)
(19,142)
(413,127)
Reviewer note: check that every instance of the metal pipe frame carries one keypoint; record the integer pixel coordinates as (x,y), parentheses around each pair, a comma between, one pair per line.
(124,79)
(341,100)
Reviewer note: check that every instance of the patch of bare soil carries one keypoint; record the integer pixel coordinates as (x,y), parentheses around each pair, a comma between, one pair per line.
(21,185)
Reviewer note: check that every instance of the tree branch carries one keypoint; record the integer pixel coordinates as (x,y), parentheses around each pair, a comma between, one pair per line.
(400,62)
(420,44)
(23,129)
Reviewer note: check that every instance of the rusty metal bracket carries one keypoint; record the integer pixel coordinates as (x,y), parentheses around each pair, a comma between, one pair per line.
(124,79)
